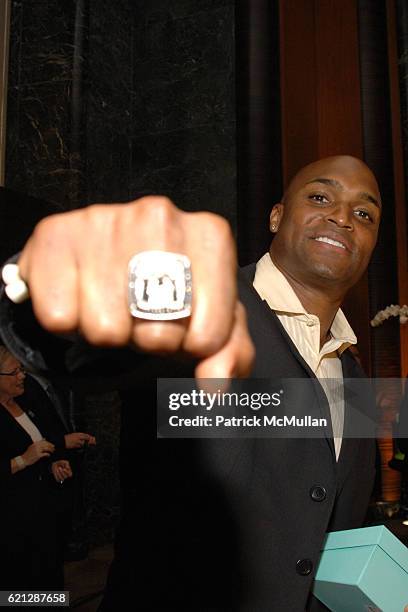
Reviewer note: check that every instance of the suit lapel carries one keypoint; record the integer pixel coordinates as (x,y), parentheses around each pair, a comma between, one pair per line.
(352,404)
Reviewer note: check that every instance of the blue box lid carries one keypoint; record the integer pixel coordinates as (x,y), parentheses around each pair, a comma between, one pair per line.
(367,536)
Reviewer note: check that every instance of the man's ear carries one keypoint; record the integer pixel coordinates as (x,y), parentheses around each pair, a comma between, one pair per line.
(275,217)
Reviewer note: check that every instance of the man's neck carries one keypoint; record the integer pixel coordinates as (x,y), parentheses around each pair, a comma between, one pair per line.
(323,302)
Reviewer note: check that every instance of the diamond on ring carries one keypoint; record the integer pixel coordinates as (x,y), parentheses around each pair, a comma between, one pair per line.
(159,286)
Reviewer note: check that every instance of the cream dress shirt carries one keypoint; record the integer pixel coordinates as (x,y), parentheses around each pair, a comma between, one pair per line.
(304,330)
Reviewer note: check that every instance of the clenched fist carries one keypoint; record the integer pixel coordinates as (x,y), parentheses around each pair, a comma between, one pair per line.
(75,265)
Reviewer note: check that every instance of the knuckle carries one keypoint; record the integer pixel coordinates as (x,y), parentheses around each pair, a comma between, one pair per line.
(158,209)
(215,236)
(156,202)
(98,214)
(216,225)
(221,225)
(51,229)
(157,215)
(47,224)
(161,214)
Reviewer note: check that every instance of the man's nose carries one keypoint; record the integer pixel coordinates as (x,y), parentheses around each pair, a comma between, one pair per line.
(341,215)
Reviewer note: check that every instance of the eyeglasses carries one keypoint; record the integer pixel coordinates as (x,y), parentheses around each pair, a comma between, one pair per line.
(13,372)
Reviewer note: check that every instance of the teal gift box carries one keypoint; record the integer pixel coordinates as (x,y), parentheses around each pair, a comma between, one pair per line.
(363,570)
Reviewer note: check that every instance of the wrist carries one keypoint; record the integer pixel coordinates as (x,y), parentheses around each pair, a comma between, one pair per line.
(20,462)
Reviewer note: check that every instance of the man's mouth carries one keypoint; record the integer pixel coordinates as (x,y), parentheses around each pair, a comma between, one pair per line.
(331,241)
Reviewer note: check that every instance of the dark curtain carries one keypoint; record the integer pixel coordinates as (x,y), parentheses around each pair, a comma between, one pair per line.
(259,181)
(377,138)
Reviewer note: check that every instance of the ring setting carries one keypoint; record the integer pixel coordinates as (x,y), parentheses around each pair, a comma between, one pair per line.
(159,286)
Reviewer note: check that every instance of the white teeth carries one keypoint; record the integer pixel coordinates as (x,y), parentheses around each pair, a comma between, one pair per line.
(330,241)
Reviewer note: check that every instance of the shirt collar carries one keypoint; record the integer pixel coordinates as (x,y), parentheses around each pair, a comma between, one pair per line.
(275,289)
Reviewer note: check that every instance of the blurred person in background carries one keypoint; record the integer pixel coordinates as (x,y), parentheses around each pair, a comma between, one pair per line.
(31,458)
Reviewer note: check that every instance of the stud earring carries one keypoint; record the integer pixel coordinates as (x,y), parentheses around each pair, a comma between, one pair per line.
(273,227)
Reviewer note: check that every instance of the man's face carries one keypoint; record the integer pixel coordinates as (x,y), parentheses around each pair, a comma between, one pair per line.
(328,224)
(11,378)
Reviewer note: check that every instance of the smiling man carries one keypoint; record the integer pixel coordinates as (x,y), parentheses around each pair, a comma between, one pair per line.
(238,523)
(326,226)
(325,229)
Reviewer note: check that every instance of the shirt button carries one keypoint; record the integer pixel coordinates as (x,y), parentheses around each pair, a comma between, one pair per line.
(310,323)
(318,493)
(304,567)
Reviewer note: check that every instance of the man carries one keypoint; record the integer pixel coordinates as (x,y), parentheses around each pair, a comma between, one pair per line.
(239,523)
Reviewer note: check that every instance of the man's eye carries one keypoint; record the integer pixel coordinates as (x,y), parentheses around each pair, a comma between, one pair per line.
(319,197)
(364,215)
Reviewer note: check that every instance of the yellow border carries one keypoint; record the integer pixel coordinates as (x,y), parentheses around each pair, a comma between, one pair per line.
(5,6)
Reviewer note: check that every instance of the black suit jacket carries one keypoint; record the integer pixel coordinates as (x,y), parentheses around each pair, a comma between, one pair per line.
(230,524)
(242,527)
